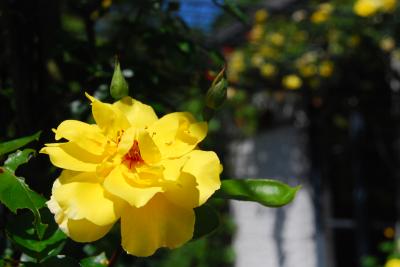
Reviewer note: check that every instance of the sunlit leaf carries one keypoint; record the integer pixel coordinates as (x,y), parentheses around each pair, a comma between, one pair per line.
(13,145)
(18,158)
(95,261)
(207,220)
(269,193)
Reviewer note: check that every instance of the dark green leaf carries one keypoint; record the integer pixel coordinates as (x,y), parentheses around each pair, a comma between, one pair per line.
(21,232)
(15,194)
(95,261)
(269,193)
(369,261)
(207,220)
(12,145)
(232,8)
(387,247)
(59,261)
(184,47)
(18,158)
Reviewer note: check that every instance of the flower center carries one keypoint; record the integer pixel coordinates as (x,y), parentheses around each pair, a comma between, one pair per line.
(133,157)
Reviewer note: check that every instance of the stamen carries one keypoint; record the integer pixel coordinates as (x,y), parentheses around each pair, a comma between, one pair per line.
(133,157)
(119,136)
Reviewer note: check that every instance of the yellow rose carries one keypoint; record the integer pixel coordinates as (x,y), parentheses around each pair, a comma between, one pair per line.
(326,68)
(366,8)
(387,44)
(236,61)
(292,82)
(133,166)
(322,13)
(393,263)
(267,70)
(106,3)
(277,39)
(261,16)
(257,60)
(389,5)
(268,51)
(308,70)
(256,33)
(236,65)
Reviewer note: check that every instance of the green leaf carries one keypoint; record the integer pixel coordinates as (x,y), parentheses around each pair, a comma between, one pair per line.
(15,193)
(207,220)
(21,232)
(95,261)
(269,193)
(12,145)
(18,158)
(59,261)
(232,8)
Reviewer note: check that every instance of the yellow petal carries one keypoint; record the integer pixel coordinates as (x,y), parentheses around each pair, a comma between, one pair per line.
(198,130)
(147,174)
(183,192)
(138,114)
(117,184)
(85,231)
(126,141)
(68,176)
(366,8)
(165,129)
(72,157)
(110,119)
(205,167)
(79,230)
(91,98)
(148,149)
(88,137)
(158,224)
(87,200)
(173,168)
(177,133)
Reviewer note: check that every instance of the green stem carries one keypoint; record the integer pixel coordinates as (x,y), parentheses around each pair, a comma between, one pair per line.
(115,256)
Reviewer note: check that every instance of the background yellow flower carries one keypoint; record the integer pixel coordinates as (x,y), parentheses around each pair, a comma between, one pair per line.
(292,82)
(393,263)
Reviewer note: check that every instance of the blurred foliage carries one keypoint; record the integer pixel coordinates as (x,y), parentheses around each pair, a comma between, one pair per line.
(389,249)
(312,49)
(57,50)
(330,68)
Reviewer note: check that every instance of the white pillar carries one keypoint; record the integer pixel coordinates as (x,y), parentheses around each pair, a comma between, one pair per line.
(269,237)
